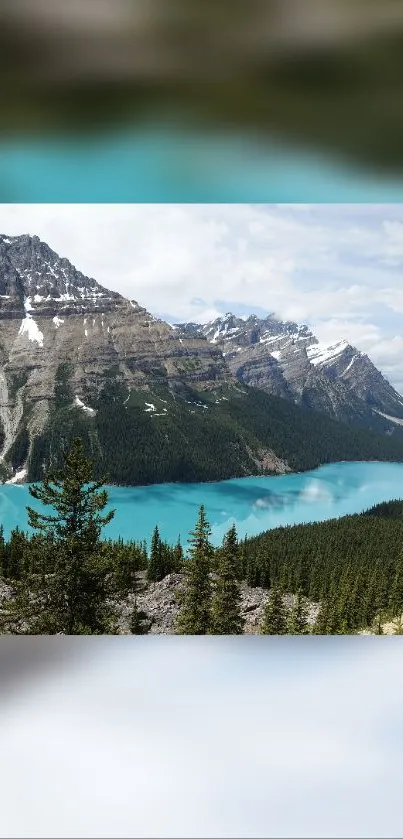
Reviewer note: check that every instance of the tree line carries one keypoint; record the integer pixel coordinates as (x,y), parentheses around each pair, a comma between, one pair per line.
(219,441)
(65,578)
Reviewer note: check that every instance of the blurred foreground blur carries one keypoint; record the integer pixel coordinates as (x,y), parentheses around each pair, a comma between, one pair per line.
(198,737)
(323,74)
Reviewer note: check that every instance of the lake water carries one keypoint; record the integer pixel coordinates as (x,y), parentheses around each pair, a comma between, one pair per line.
(254,504)
(163,163)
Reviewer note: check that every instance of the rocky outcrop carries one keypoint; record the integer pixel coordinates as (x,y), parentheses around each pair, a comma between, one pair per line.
(51,314)
(287,360)
(160,602)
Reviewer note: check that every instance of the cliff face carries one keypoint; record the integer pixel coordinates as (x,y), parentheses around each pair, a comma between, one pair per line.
(156,403)
(287,360)
(51,314)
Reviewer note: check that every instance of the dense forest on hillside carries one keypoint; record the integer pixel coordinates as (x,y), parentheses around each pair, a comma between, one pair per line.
(192,435)
(66,579)
(352,565)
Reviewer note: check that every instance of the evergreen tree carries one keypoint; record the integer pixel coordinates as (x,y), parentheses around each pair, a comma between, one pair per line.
(194,617)
(297,623)
(377,625)
(178,557)
(127,560)
(323,619)
(274,619)
(398,625)
(155,570)
(396,595)
(252,572)
(15,554)
(225,612)
(70,596)
(2,550)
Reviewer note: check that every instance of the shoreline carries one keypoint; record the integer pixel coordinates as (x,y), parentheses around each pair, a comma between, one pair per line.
(222,480)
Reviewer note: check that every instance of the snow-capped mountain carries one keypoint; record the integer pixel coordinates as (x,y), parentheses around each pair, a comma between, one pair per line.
(60,329)
(286,359)
(153,402)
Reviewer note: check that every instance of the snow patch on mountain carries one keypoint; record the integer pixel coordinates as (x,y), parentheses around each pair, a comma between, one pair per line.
(321,354)
(396,420)
(79,404)
(18,478)
(29,327)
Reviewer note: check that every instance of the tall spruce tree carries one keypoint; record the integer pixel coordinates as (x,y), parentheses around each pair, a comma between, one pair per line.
(194,616)
(274,618)
(177,557)
(155,570)
(297,623)
(396,594)
(69,595)
(225,611)
(2,549)
(325,618)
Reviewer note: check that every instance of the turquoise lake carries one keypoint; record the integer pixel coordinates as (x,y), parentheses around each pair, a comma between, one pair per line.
(254,504)
(162,163)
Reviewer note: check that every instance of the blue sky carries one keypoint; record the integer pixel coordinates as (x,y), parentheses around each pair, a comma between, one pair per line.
(336,267)
(175,737)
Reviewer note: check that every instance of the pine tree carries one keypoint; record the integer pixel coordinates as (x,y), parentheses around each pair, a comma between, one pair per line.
(155,570)
(377,624)
(297,623)
(252,572)
(396,595)
(177,557)
(274,619)
(398,625)
(69,597)
(194,617)
(16,549)
(324,619)
(2,549)
(127,561)
(225,612)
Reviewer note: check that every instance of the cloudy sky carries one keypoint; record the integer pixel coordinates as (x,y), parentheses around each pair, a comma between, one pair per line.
(198,737)
(338,268)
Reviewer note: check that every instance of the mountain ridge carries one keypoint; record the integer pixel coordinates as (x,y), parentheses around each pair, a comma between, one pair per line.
(286,359)
(152,402)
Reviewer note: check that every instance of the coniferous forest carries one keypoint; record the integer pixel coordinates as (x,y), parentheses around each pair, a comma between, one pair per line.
(66,578)
(227,434)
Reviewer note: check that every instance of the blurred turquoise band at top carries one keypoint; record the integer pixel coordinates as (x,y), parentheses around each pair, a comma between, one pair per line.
(165,165)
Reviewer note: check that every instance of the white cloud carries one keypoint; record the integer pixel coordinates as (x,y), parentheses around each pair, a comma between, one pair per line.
(332,266)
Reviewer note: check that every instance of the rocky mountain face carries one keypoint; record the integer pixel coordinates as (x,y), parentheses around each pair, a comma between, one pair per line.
(51,314)
(157,403)
(287,360)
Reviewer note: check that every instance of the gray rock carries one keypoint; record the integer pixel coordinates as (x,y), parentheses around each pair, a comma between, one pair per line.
(51,313)
(161,604)
(286,360)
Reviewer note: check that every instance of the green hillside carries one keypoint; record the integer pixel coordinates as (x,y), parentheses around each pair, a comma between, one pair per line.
(353,565)
(179,434)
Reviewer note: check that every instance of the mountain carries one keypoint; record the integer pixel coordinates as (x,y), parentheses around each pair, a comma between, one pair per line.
(152,402)
(287,360)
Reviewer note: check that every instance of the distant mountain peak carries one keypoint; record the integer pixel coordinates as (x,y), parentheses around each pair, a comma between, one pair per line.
(286,359)
(31,270)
